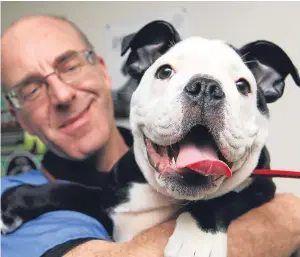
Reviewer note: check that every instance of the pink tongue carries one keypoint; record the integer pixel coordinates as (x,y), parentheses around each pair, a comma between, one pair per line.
(202,159)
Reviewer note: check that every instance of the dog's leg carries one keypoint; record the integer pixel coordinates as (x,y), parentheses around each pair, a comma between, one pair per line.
(201,230)
(26,202)
(190,240)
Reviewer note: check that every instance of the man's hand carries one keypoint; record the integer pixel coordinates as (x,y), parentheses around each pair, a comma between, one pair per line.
(270,230)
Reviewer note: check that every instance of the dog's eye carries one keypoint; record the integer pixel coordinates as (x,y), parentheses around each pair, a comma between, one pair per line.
(243,86)
(164,72)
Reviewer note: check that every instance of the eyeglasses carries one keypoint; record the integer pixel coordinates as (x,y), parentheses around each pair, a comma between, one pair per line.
(70,70)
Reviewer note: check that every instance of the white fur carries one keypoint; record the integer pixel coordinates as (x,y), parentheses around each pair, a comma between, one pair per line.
(188,240)
(145,209)
(243,185)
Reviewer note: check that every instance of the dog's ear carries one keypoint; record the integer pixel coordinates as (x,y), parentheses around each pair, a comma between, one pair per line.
(270,66)
(148,44)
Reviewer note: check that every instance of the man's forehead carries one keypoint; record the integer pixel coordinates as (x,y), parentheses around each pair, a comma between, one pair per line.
(33,46)
(41,31)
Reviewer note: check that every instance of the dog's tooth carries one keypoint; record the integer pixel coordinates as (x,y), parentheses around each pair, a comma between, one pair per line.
(173,161)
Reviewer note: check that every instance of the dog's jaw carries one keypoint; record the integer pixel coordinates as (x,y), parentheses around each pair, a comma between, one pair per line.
(242,169)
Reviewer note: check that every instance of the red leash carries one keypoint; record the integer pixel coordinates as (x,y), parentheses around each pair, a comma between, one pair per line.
(277,173)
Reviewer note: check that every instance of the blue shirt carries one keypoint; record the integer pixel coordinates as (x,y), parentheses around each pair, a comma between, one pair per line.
(38,236)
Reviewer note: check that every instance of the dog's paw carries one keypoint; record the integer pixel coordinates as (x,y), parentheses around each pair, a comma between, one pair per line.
(9,223)
(11,213)
(188,240)
(15,210)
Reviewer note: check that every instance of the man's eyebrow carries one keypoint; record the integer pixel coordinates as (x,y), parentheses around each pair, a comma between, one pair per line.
(34,76)
(62,57)
(28,78)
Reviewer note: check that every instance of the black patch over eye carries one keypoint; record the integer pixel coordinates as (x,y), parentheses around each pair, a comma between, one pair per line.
(163,72)
(243,86)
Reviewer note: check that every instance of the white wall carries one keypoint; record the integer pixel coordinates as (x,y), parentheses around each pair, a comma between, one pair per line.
(236,22)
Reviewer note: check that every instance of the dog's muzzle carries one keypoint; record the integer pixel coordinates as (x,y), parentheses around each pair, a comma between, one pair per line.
(196,152)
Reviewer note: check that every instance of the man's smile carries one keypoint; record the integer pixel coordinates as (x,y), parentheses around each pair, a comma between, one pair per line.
(76,121)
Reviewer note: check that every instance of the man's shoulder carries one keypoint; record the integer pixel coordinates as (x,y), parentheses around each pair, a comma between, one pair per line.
(32,177)
(31,236)
(50,230)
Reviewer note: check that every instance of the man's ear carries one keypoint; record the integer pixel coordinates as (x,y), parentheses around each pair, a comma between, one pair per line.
(270,66)
(147,45)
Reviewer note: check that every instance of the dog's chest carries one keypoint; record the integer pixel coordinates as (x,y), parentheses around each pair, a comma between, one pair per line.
(144,209)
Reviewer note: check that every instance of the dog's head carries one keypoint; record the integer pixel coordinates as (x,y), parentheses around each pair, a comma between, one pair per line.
(200,111)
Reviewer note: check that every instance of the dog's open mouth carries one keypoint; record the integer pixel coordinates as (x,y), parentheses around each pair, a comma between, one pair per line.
(197,151)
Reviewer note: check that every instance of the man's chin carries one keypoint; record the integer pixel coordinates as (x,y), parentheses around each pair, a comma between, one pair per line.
(81,147)
(74,152)
(83,153)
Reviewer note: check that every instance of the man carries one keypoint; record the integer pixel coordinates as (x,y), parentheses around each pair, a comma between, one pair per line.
(59,90)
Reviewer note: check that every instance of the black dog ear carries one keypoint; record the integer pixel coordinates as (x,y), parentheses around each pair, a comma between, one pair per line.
(147,45)
(126,41)
(270,66)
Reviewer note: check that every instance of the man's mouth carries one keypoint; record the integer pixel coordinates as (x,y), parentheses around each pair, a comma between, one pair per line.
(75,121)
(197,152)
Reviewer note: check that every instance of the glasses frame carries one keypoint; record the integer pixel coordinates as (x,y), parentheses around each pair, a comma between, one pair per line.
(12,94)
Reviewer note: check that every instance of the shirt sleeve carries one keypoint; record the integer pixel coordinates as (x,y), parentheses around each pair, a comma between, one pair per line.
(47,231)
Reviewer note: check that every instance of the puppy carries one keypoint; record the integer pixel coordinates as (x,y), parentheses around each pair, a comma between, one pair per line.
(199,120)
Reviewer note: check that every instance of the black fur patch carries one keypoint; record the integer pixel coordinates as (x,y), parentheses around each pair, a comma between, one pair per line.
(216,214)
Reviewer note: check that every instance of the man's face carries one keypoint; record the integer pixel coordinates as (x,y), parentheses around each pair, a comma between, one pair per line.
(74,121)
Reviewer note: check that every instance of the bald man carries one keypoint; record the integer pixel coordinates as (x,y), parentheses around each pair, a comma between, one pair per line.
(72,113)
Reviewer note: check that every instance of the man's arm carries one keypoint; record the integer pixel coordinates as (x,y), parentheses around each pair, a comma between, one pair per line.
(149,243)
(270,230)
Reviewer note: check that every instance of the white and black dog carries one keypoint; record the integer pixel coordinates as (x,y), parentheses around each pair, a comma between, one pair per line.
(199,120)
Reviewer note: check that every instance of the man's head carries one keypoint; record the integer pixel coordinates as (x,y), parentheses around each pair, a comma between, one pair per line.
(59,90)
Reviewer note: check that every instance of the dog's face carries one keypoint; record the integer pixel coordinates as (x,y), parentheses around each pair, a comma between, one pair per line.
(199,118)
(197,101)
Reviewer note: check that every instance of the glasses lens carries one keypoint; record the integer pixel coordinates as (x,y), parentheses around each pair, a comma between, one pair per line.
(27,93)
(73,68)
(31,91)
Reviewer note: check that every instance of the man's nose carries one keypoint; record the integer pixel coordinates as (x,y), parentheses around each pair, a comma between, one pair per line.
(61,94)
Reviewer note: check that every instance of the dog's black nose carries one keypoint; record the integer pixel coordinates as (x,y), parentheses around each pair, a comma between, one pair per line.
(204,89)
